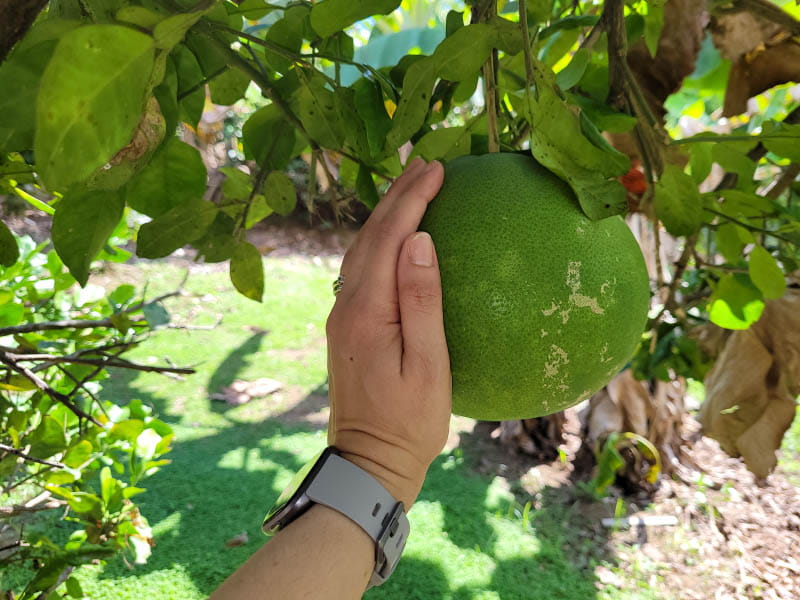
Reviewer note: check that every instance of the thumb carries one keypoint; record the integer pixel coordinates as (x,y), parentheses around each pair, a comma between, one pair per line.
(420,297)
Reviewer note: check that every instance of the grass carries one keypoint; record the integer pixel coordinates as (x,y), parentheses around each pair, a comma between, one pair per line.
(470,538)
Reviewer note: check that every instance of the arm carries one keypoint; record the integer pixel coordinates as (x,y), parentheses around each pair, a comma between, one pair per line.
(389,382)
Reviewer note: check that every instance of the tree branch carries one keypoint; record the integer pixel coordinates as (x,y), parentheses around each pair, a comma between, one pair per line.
(100,362)
(16,17)
(766,10)
(43,387)
(28,457)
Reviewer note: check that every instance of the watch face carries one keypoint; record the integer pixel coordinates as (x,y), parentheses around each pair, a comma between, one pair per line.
(289,503)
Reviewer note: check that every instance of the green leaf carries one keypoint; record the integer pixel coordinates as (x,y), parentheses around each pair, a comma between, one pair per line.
(316,107)
(189,76)
(237,184)
(170,32)
(280,193)
(365,188)
(570,75)
(22,72)
(746,204)
(414,102)
(78,454)
(507,35)
(83,222)
(766,274)
(443,143)
(368,101)
(736,303)
(9,251)
(558,142)
(90,100)
(786,140)
(330,16)
(731,240)
(258,210)
(463,53)
(700,161)
(10,315)
(269,138)
(174,229)
(48,438)
(603,117)
(155,314)
(653,24)
(218,243)
(247,271)
(127,430)
(734,161)
(74,588)
(288,34)
(176,175)
(228,87)
(453,22)
(678,203)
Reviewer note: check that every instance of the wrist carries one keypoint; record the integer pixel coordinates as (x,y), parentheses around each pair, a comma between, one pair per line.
(403,488)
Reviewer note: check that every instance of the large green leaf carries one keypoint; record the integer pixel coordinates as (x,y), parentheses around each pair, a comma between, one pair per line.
(83,222)
(288,34)
(280,193)
(765,273)
(9,251)
(443,143)
(678,203)
(20,75)
(175,175)
(559,143)
(459,56)
(48,438)
(316,107)
(736,302)
(269,138)
(330,16)
(191,96)
(247,271)
(414,102)
(171,31)
(90,100)
(174,229)
(731,240)
(368,101)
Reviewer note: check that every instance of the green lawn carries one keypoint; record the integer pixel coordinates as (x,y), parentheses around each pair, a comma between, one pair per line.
(469,538)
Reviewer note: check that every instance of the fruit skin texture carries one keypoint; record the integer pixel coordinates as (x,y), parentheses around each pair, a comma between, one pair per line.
(542,307)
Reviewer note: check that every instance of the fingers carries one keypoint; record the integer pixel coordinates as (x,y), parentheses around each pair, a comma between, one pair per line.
(420,299)
(386,233)
(374,253)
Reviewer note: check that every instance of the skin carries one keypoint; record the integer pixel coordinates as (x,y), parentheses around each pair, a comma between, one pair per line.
(390,391)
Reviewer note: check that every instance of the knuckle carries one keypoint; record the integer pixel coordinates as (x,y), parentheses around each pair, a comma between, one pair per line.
(422,297)
(383,230)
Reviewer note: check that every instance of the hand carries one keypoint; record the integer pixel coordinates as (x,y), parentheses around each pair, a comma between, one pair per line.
(389,370)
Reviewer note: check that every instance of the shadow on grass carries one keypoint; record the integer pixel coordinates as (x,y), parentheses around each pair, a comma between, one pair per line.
(228,370)
(214,490)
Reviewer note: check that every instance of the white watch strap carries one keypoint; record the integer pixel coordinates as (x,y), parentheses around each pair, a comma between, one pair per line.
(350,490)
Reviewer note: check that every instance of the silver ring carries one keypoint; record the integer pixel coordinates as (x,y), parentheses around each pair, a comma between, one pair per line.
(337,285)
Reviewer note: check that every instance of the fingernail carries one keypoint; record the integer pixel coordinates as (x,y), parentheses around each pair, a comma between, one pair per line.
(421,250)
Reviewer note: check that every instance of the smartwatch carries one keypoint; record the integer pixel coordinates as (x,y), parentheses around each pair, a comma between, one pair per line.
(337,483)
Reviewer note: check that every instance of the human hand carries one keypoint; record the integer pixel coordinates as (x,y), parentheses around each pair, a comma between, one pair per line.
(388,366)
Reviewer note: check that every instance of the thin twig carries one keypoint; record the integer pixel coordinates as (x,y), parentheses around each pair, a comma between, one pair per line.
(750,227)
(43,387)
(526,48)
(784,181)
(28,457)
(101,362)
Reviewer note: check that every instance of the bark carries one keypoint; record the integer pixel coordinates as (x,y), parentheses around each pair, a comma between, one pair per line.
(16,17)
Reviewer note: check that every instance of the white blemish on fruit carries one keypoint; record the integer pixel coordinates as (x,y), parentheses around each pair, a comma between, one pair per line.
(555,360)
(549,311)
(544,333)
(576,299)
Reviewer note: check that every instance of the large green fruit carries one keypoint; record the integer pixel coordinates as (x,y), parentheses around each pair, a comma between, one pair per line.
(542,307)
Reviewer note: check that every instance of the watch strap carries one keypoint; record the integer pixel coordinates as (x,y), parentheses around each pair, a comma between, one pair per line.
(350,490)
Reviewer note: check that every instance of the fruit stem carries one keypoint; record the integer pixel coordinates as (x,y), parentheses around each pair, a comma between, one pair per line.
(483,14)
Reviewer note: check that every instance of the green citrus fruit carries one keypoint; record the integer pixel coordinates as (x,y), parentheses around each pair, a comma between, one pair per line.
(542,307)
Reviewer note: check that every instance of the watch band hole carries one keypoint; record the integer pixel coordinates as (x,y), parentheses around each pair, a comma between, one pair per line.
(376,509)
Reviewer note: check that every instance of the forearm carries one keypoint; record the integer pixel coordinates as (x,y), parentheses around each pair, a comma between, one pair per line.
(322,555)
